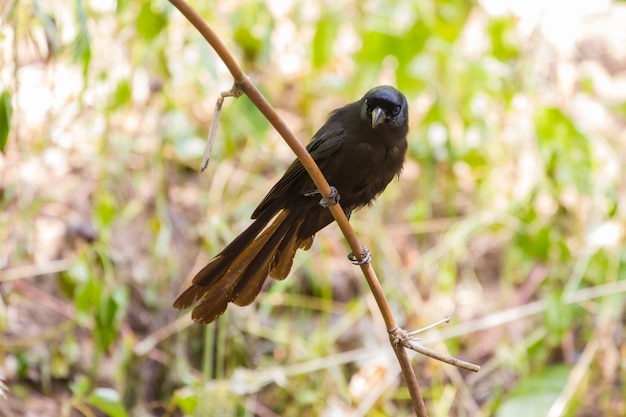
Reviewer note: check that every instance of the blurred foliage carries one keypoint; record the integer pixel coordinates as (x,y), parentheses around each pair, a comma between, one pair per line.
(535,395)
(5,118)
(510,207)
(565,151)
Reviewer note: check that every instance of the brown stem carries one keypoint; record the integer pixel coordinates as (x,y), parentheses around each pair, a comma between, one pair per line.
(409,377)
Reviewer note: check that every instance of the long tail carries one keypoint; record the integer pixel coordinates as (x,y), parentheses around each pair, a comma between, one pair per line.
(238,272)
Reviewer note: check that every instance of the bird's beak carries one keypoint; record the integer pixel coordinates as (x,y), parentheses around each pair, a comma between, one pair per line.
(378,116)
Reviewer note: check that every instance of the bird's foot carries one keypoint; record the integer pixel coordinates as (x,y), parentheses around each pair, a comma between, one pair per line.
(366,257)
(333,198)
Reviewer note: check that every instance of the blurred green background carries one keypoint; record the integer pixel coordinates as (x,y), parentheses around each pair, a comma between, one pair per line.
(509,216)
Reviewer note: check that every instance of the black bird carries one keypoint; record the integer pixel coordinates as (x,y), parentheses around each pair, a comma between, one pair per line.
(359,149)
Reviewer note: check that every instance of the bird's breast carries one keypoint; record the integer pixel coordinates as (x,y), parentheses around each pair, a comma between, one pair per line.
(365,171)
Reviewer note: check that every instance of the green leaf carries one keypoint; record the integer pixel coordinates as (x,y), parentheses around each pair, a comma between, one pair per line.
(324,38)
(82,42)
(504,43)
(122,94)
(80,387)
(253,25)
(187,400)
(108,317)
(451,17)
(565,151)
(105,210)
(108,400)
(6,110)
(150,23)
(86,297)
(376,46)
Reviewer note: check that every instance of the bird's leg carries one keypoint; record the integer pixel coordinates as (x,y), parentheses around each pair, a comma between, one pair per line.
(366,257)
(333,198)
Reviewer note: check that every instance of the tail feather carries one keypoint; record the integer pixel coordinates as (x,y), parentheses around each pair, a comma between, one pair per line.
(210,275)
(283,261)
(223,288)
(251,280)
(237,274)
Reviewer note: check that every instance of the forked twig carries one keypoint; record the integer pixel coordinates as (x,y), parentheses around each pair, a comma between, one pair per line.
(405,339)
(243,83)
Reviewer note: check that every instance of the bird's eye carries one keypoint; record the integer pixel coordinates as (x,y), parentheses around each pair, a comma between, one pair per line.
(395,111)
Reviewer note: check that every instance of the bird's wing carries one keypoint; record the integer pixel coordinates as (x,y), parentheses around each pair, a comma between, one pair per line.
(325,142)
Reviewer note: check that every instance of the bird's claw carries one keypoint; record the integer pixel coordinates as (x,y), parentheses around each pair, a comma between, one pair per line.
(366,257)
(333,198)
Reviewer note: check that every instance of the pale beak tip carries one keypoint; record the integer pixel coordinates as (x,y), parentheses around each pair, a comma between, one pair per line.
(378,116)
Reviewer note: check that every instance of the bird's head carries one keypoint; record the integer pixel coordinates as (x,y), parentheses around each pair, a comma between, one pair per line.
(385,106)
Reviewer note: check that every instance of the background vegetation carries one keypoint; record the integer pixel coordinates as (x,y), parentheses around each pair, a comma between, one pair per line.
(509,216)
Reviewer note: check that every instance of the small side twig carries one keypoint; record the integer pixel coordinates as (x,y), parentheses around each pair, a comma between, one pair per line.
(235,92)
(212,132)
(431,326)
(411,344)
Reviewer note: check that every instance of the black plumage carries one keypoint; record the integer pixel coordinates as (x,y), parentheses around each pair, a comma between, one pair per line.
(359,149)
